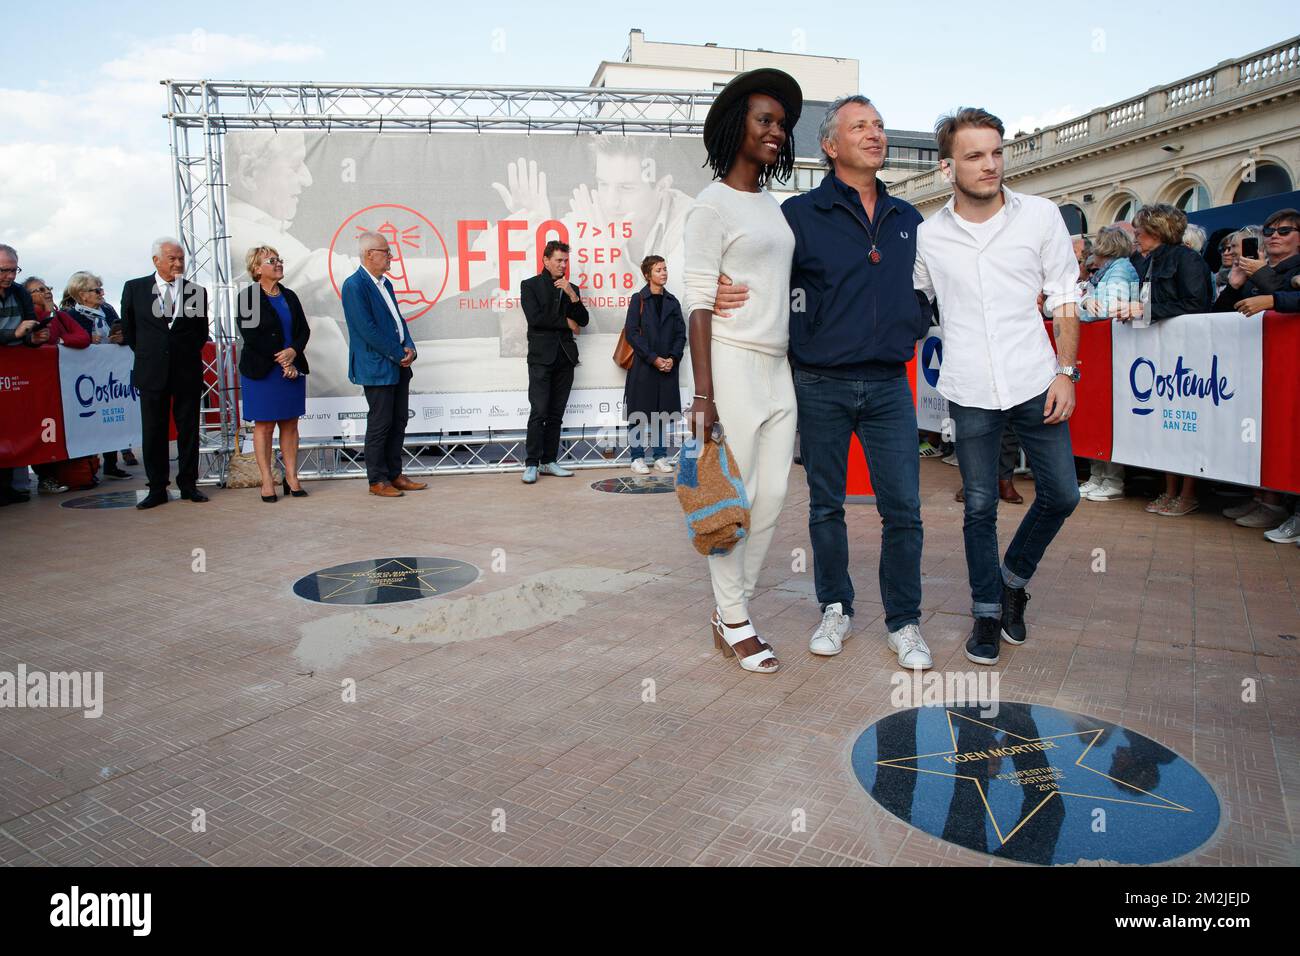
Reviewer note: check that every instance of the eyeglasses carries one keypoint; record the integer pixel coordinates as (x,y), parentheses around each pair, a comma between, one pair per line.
(98,288)
(42,289)
(273,262)
(1278,230)
(386,253)
(10,272)
(1093,270)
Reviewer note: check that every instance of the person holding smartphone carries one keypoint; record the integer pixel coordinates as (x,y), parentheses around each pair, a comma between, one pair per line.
(1254,279)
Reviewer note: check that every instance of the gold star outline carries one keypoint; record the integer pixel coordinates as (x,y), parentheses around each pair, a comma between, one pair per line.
(357,581)
(1163,804)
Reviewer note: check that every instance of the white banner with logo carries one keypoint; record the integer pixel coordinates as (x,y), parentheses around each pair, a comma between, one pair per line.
(931,407)
(1188,396)
(467,216)
(101,405)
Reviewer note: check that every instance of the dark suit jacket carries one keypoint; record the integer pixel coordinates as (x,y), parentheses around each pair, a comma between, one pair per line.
(263,334)
(165,358)
(546,308)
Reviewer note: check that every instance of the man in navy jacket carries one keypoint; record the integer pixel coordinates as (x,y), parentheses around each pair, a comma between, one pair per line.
(380,353)
(854,323)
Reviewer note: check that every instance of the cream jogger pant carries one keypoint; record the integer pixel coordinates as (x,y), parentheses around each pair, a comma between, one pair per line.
(754,394)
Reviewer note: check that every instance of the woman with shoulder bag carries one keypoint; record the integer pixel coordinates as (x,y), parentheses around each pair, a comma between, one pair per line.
(742,376)
(656,332)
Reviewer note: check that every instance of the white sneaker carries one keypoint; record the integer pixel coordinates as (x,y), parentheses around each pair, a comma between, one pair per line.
(950,460)
(1265,516)
(1241,510)
(1106,492)
(836,627)
(910,647)
(1088,487)
(661,464)
(1287,532)
(639,466)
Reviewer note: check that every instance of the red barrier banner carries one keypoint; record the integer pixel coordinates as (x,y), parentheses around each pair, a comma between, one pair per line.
(30,407)
(1091,424)
(1279,428)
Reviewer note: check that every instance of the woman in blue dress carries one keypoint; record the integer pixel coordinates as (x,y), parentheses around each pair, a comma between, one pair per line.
(272,366)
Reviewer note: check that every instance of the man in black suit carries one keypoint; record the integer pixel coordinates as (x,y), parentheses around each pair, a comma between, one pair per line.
(165,322)
(554,311)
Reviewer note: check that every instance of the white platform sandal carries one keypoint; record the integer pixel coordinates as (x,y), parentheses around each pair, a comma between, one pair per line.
(725,638)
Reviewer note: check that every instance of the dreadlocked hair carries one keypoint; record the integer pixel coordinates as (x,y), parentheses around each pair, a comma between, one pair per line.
(730,133)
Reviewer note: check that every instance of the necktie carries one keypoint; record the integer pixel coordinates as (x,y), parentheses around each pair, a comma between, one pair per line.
(169,304)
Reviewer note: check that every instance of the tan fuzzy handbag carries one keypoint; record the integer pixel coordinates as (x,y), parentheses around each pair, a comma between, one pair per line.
(242,470)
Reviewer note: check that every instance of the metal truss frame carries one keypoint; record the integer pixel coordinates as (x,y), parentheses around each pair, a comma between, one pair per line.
(200,112)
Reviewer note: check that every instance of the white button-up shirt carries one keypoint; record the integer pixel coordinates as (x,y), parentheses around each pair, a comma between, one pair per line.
(177,285)
(392,305)
(996,351)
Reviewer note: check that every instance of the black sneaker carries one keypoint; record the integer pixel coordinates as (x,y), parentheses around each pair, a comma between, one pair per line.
(116,472)
(128,458)
(1013,614)
(982,645)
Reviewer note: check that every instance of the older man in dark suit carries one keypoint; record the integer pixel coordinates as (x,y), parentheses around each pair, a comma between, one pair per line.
(554,311)
(165,322)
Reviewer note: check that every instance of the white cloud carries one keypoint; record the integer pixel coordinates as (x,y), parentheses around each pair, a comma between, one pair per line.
(85,164)
(1032,121)
(202,54)
(84,207)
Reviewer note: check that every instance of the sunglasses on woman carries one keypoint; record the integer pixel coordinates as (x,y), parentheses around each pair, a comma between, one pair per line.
(1278,230)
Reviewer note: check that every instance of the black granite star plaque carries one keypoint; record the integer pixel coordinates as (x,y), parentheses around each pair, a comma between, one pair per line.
(1036,784)
(385,580)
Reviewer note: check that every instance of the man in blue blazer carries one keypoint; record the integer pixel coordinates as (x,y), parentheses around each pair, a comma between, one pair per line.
(380,353)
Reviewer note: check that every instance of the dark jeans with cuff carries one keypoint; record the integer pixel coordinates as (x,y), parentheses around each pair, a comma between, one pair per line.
(978,432)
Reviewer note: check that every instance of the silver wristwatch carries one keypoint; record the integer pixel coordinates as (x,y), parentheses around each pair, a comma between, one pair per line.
(1069,371)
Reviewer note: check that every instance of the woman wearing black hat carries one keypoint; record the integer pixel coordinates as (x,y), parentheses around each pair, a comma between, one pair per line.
(742,376)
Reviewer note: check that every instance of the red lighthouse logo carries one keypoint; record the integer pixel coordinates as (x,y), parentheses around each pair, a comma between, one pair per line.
(420,265)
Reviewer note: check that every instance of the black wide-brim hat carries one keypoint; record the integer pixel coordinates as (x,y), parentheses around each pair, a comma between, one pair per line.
(757,81)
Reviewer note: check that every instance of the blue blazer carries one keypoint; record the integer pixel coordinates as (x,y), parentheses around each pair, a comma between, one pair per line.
(374,349)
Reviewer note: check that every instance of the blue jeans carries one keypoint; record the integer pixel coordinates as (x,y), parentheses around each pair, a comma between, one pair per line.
(881,413)
(978,433)
(638,451)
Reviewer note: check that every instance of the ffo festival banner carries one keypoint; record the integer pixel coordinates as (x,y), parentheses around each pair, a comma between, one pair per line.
(1188,396)
(467,216)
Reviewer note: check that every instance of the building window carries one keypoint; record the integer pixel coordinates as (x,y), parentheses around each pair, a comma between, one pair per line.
(1269,180)
(1076,223)
(1125,212)
(1193,199)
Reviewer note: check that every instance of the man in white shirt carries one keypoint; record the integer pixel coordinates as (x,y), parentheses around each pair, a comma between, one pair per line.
(986,257)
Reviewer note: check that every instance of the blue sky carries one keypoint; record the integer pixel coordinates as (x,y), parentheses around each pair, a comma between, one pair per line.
(83,147)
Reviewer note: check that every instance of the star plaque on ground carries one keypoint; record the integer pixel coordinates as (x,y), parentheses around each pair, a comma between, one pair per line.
(1036,784)
(385,580)
(636,485)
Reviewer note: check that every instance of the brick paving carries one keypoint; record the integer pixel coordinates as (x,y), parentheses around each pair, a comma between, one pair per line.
(533,744)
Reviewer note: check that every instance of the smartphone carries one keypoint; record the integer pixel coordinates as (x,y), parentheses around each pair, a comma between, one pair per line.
(1250,247)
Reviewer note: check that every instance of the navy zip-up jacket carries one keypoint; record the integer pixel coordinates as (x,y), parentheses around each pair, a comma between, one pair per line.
(858,319)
